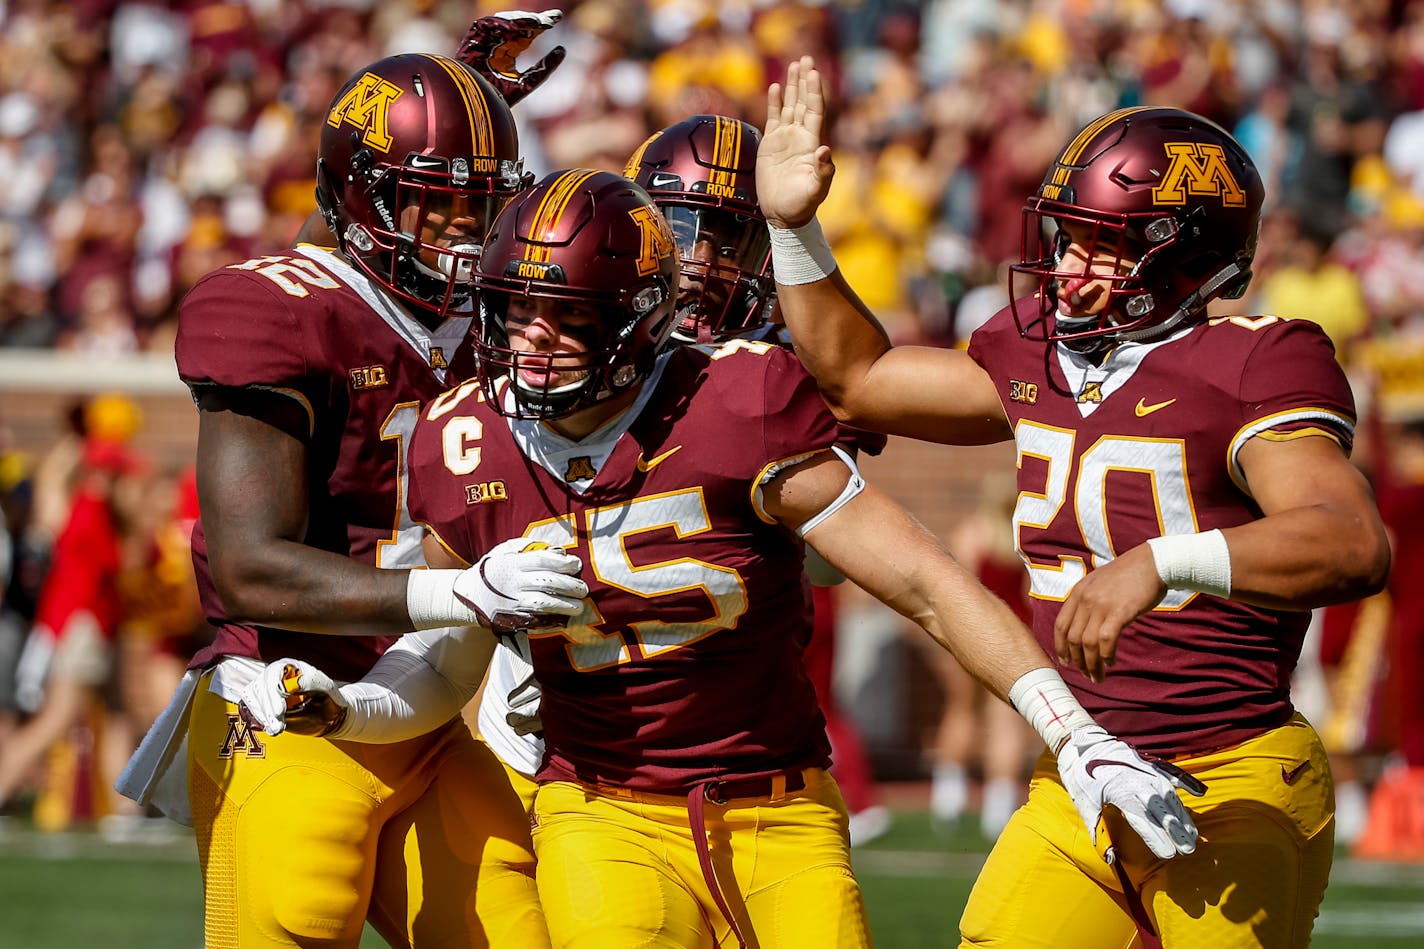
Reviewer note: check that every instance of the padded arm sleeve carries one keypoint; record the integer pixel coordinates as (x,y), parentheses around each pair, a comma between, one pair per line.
(417,686)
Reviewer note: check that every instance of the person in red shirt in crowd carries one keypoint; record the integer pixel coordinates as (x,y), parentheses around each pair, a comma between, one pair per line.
(78,614)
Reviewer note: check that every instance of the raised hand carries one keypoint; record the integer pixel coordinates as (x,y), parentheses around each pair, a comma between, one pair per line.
(1098,769)
(794,167)
(494,42)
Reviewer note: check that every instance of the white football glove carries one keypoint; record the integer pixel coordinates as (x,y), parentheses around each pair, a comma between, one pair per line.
(522,584)
(1098,769)
(519,584)
(296,696)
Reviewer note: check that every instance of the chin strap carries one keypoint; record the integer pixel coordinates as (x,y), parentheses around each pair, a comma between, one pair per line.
(1194,303)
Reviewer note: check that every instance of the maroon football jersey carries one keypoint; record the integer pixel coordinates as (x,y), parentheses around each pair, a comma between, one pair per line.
(1146,445)
(685,664)
(309,325)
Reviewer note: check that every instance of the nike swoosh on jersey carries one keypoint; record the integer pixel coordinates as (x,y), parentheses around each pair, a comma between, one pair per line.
(1143,409)
(653,462)
(1289,777)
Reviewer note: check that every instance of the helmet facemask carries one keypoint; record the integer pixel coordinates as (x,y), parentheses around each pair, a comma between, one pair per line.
(1155,281)
(430,217)
(724,286)
(616,355)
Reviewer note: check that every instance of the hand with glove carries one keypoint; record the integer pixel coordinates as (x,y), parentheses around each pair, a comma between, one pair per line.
(1098,769)
(519,584)
(494,42)
(292,695)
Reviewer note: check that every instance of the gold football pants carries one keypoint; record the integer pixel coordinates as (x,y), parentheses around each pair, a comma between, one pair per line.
(1256,879)
(302,840)
(620,869)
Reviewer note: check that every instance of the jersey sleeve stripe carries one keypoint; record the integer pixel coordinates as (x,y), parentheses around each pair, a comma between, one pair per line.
(1262,426)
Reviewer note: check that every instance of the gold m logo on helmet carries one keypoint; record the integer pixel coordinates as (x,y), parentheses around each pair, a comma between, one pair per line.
(1198,169)
(367,105)
(657,239)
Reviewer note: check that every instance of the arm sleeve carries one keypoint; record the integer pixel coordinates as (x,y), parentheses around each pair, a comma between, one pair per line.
(420,683)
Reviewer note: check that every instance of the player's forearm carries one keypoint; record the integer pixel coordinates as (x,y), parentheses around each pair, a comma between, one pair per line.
(980,630)
(835,335)
(1307,557)
(293,586)
(884,550)
(402,697)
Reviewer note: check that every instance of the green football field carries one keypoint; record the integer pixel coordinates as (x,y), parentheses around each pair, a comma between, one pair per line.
(75,890)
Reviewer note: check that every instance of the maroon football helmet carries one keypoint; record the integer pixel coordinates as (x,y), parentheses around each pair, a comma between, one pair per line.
(702,173)
(589,237)
(1165,187)
(417,154)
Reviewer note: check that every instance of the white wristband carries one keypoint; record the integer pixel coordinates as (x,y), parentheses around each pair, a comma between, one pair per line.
(1200,562)
(800,255)
(430,600)
(1042,697)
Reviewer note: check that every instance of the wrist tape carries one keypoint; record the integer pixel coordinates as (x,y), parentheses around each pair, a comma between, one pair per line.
(430,600)
(800,255)
(1042,697)
(1200,562)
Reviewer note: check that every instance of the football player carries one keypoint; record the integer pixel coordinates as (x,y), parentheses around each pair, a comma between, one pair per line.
(683,797)
(308,369)
(701,173)
(1185,497)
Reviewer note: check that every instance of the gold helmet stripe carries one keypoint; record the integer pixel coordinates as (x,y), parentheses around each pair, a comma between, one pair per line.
(476,105)
(727,144)
(635,160)
(551,208)
(1075,148)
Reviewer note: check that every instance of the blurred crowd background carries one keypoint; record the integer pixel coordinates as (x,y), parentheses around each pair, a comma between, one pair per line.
(145,143)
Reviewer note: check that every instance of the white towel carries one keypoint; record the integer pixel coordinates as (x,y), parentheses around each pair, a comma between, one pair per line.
(150,776)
